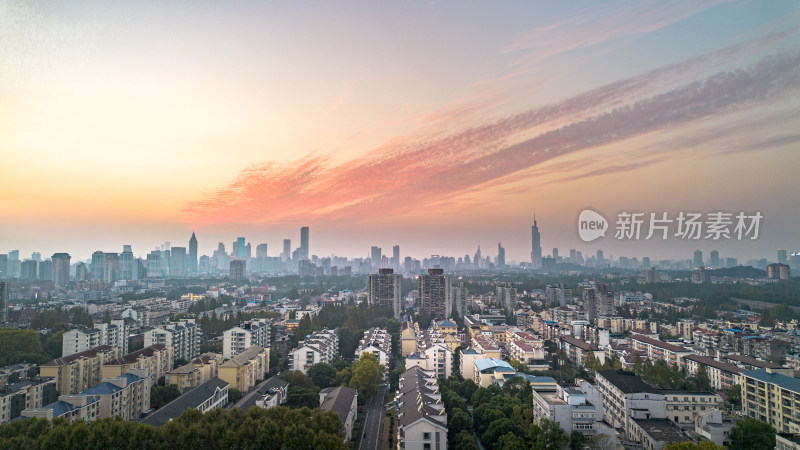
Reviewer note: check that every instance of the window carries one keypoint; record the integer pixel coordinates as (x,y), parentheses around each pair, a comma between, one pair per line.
(426,436)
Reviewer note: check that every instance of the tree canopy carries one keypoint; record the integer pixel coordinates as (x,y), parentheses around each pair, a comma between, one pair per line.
(273,428)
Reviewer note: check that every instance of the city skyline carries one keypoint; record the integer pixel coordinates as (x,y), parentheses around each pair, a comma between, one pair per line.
(140,123)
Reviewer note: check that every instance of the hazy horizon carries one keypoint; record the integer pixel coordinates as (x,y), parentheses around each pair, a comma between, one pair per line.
(436,127)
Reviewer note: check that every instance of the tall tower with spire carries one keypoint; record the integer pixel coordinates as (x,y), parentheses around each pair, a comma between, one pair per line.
(536,245)
(193,254)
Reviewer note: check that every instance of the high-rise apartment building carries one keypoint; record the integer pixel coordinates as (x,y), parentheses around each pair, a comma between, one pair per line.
(128,268)
(435,294)
(384,290)
(237,269)
(45,271)
(396,257)
(182,336)
(28,269)
(714,259)
(114,334)
(60,269)
(536,246)
(177,262)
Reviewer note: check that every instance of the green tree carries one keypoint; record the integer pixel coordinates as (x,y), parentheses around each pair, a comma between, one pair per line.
(690,445)
(298,397)
(734,394)
(511,441)
(465,441)
(234,395)
(576,440)
(499,428)
(367,375)
(752,434)
(322,375)
(701,378)
(547,435)
(161,395)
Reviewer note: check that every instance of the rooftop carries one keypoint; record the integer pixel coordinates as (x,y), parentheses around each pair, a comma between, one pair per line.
(339,400)
(789,383)
(91,353)
(627,382)
(190,399)
(662,430)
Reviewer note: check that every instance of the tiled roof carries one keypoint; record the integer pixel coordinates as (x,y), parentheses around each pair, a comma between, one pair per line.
(91,353)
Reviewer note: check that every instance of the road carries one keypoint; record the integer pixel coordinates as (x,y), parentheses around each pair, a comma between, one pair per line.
(373,422)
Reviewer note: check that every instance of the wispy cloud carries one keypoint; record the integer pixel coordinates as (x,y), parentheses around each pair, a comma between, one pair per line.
(421,172)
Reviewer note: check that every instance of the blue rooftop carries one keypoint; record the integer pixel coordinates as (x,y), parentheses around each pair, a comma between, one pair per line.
(492,363)
(789,383)
(447,323)
(104,388)
(535,379)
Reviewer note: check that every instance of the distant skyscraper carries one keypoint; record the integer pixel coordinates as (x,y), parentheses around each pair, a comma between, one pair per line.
(177,261)
(384,290)
(261,251)
(46,270)
(28,269)
(4,294)
(555,254)
(396,257)
(782,256)
(600,257)
(536,245)
(304,243)
(238,269)
(698,258)
(192,266)
(477,258)
(238,248)
(375,257)
(501,256)
(287,250)
(98,265)
(127,264)
(60,269)
(714,259)
(435,295)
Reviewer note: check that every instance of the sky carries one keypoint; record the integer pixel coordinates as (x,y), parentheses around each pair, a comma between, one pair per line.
(437,126)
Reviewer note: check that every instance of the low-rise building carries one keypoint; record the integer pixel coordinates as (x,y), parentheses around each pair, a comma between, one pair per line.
(183,336)
(772,398)
(488,371)
(655,349)
(208,396)
(722,375)
(249,333)
(26,394)
(126,396)
(378,342)
(155,359)
(420,413)
(114,334)
(79,371)
(578,351)
(655,434)
(246,369)
(320,347)
(684,406)
(567,406)
(711,426)
(267,394)
(344,402)
(626,396)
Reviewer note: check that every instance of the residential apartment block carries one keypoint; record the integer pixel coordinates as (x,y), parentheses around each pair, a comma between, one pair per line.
(320,347)
(246,369)
(378,342)
(247,334)
(421,417)
(79,371)
(182,336)
(114,334)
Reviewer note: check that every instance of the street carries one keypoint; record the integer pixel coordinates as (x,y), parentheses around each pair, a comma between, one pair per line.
(373,422)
